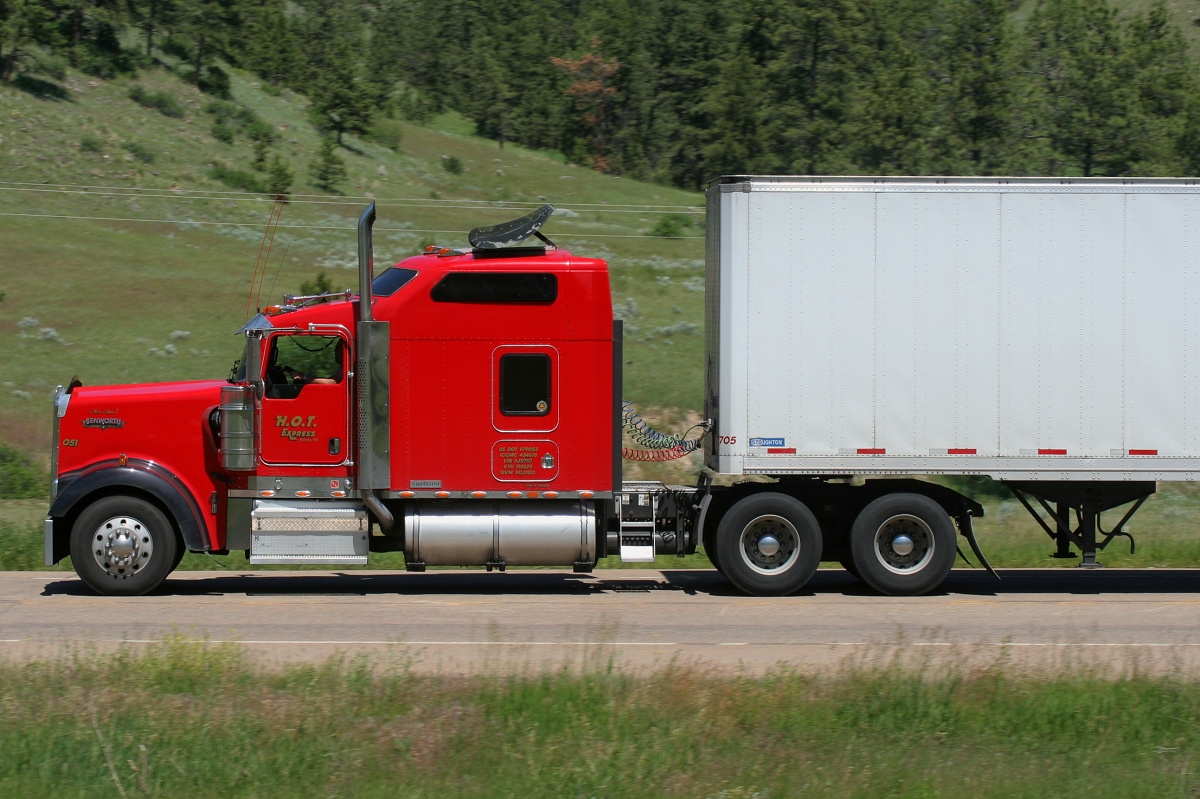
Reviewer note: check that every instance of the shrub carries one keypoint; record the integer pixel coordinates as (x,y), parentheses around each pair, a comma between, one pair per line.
(90,144)
(671,226)
(162,102)
(215,81)
(20,478)
(386,132)
(51,66)
(237,179)
(320,285)
(140,152)
(451,164)
(222,132)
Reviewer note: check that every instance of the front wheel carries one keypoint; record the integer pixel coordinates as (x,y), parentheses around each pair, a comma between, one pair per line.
(769,544)
(123,546)
(903,544)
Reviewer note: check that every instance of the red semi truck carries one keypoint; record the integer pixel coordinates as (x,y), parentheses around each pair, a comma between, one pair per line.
(464,407)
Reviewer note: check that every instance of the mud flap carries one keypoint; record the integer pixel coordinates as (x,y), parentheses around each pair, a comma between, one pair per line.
(968,532)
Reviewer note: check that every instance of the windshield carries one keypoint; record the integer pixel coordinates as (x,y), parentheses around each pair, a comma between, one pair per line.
(238,373)
(391,280)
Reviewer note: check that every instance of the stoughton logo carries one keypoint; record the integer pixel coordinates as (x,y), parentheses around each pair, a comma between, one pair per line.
(296,427)
(767,442)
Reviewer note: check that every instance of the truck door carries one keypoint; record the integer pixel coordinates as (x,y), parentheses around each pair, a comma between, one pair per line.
(525,413)
(305,405)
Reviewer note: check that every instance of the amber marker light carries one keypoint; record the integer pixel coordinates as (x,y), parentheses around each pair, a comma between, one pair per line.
(303,493)
(479,494)
(587,494)
(442,494)
(338,493)
(266,493)
(407,494)
(515,494)
(550,495)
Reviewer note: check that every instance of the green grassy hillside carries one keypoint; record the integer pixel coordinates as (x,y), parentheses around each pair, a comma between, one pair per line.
(123,260)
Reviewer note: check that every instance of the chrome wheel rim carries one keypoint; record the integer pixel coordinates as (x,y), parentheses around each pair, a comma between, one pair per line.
(904,544)
(122,546)
(769,544)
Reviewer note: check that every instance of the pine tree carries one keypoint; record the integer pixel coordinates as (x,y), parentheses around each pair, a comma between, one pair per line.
(279,178)
(23,23)
(260,154)
(1089,104)
(591,78)
(341,101)
(328,170)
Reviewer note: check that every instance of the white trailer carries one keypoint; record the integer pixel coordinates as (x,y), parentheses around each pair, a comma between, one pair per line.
(1044,332)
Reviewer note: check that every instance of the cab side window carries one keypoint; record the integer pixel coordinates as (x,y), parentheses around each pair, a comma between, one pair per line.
(525,384)
(296,361)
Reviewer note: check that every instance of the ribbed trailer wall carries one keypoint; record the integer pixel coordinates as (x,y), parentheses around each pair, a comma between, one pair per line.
(1028,329)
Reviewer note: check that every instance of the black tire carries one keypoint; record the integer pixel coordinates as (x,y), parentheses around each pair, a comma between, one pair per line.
(709,542)
(925,555)
(796,544)
(123,546)
(180,551)
(848,564)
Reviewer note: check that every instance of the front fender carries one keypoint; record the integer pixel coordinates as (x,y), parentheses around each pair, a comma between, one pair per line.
(110,477)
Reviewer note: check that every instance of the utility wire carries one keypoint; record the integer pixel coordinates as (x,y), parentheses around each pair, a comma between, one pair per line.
(328,227)
(333,199)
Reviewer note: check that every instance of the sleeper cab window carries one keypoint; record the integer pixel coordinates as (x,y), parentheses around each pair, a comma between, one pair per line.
(525,384)
(496,287)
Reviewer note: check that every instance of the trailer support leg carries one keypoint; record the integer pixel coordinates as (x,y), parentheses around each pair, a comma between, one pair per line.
(1086,501)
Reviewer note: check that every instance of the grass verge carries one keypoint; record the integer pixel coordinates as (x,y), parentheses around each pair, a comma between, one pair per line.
(190,718)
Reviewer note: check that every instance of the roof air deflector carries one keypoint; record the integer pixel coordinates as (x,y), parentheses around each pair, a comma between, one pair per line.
(506,234)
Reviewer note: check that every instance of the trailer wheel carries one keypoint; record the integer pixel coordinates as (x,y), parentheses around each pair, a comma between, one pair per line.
(769,544)
(903,544)
(123,546)
(848,564)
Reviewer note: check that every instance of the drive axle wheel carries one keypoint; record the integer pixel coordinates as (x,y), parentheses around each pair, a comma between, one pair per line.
(903,544)
(769,544)
(123,546)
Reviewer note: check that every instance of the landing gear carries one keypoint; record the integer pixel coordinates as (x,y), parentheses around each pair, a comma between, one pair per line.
(1084,501)
(123,546)
(903,544)
(768,544)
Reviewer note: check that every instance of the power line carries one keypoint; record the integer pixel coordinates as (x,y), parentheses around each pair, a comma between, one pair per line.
(326,227)
(333,199)
(263,198)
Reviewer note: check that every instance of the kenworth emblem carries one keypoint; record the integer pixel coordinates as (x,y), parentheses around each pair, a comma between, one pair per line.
(103,422)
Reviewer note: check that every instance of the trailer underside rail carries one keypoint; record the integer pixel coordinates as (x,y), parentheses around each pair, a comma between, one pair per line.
(1086,501)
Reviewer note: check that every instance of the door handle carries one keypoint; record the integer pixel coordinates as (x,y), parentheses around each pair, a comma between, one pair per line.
(335,446)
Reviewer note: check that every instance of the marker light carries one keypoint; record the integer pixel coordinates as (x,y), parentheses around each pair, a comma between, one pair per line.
(338,493)
(266,493)
(479,494)
(550,494)
(515,494)
(587,494)
(303,493)
(442,494)
(407,494)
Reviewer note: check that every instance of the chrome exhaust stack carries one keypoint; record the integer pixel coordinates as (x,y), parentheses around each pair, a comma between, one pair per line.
(372,376)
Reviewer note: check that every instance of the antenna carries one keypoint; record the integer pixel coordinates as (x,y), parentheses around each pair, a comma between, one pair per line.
(254,277)
(270,244)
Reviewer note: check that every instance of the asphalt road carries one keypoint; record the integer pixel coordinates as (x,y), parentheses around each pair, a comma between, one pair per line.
(1113,619)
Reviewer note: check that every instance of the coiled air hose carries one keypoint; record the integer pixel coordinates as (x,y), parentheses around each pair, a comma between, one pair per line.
(659,447)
